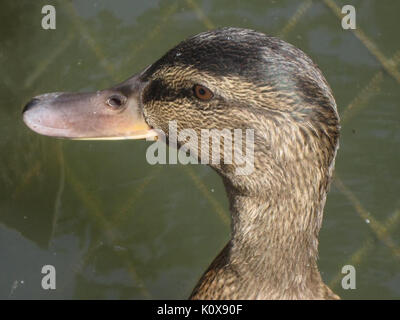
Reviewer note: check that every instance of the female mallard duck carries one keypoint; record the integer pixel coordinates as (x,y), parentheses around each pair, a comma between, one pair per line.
(232,78)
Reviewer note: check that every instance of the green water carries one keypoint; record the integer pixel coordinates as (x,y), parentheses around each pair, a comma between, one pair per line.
(116,227)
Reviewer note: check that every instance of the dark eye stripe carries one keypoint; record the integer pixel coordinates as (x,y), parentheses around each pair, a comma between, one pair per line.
(159,90)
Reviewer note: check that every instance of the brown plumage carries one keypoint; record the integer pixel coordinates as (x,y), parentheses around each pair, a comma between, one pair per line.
(269,85)
(251,81)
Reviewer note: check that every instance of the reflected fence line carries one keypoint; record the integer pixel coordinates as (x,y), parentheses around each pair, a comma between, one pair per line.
(137,47)
(91,202)
(382,231)
(389,65)
(201,15)
(44,64)
(368,43)
(295,18)
(61,187)
(359,255)
(92,44)
(27,177)
(218,209)
(117,219)
(371,89)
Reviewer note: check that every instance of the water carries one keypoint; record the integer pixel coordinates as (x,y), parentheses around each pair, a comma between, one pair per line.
(114,226)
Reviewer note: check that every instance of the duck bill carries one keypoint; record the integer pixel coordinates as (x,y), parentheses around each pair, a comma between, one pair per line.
(111,114)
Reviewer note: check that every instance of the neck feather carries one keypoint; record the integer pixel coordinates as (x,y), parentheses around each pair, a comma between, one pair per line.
(275,231)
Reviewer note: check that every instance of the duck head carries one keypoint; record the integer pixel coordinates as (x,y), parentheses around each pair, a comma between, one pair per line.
(224,79)
(230,79)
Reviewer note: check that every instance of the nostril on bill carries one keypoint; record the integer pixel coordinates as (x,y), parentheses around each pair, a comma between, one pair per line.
(30,104)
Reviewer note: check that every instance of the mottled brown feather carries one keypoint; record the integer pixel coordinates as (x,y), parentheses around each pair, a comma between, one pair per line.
(268,85)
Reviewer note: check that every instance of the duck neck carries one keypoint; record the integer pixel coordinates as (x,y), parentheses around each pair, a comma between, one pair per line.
(275,233)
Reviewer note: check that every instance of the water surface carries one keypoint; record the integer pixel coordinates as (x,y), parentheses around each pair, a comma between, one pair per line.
(116,227)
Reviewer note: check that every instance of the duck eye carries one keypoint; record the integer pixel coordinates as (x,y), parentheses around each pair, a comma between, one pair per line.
(202,92)
(116,101)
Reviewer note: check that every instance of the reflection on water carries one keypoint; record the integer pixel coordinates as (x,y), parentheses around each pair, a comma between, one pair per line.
(116,227)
